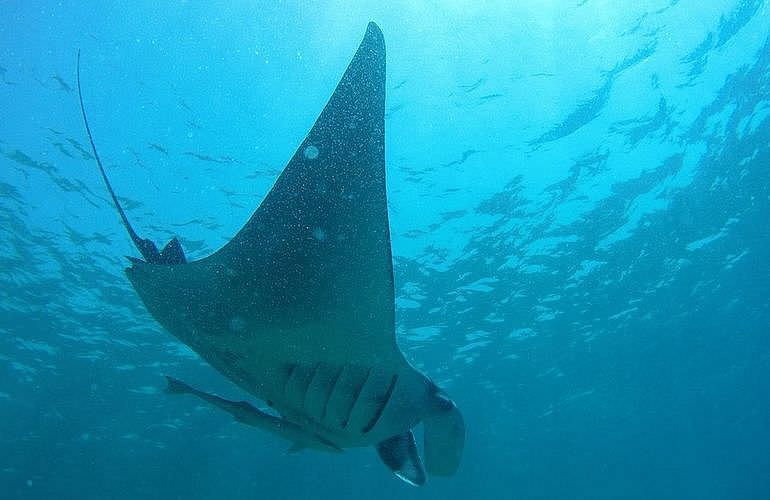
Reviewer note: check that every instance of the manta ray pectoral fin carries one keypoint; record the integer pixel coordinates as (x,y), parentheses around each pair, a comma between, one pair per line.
(172,253)
(444,437)
(399,454)
(312,269)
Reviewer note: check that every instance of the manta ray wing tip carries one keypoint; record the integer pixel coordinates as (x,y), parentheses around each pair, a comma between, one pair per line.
(373,34)
(373,28)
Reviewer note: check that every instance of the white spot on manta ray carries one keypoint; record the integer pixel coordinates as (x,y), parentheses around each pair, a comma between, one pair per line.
(237,324)
(319,234)
(311,152)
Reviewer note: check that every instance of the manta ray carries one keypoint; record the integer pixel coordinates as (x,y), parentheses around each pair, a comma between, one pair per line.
(297,309)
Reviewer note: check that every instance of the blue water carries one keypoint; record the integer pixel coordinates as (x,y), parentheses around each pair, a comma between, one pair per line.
(579,196)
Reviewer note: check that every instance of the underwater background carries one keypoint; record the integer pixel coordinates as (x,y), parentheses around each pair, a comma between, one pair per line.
(579,195)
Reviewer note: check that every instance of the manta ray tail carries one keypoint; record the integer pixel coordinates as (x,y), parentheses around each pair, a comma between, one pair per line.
(172,253)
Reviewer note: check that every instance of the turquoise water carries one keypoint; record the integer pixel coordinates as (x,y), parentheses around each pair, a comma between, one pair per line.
(579,194)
